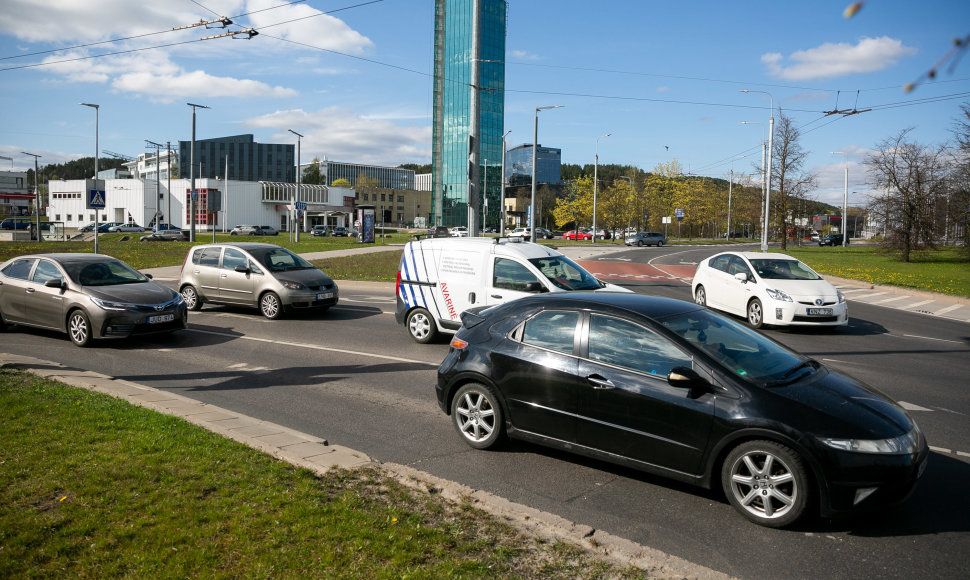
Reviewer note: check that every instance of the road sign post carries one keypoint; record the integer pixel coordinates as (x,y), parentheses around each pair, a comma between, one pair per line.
(95,199)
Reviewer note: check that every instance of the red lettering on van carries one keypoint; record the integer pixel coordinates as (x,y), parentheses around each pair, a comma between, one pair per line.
(448,301)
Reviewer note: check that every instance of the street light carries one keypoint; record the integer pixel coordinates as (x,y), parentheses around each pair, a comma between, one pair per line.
(845,199)
(771,132)
(596,163)
(192,193)
(36,192)
(501,211)
(158,177)
(96,123)
(296,225)
(535,145)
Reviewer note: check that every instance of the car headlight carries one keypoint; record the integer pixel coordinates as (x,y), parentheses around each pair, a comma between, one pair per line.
(292,285)
(778,295)
(110,304)
(903,445)
(841,296)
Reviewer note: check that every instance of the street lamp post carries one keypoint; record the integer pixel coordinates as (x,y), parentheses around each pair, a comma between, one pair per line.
(484,198)
(596,163)
(535,145)
(501,211)
(96,123)
(764,181)
(192,193)
(771,132)
(36,192)
(845,199)
(158,177)
(296,212)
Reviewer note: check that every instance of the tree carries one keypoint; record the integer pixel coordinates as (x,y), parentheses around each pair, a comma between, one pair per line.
(792,183)
(576,206)
(613,205)
(957,208)
(911,176)
(312,174)
(340,183)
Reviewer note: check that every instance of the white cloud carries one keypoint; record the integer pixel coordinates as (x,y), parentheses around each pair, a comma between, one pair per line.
(663,89)
(306,25)
(352,136)
(835,60)
(165,88)
(523,55)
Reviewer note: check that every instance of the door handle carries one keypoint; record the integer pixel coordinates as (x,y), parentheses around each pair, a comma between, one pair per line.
(30,290)
(600,382)
(497,296)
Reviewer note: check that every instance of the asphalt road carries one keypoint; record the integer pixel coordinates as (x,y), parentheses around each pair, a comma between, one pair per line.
(354,377)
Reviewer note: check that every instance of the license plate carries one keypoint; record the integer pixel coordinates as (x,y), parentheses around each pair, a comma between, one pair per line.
(820,312)
(161,318)
(325,296)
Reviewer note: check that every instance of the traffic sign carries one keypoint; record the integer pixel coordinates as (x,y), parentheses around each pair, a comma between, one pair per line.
(301,206)
(96,199)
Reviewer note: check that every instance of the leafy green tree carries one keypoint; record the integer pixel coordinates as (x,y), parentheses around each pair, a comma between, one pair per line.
(340,183)
(793,184)
(576,206)
(312,174)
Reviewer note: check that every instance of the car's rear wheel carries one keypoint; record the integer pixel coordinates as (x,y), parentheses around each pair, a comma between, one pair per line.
(639,243)
(756,314)
(79,328)
(767,482)
(191,297)
(477,415)
(660,244)
(270,305)
(421,326)
(700,296)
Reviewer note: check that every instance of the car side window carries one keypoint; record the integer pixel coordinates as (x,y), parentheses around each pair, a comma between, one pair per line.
(511,275)
(739,267)
(720,262)
(551,329)
(232,258)
(19,269)
(208,257)
(628,345)
(45,271)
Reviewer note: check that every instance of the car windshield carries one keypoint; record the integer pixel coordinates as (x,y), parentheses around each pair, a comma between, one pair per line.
(740,350)
(777,269)
(566,274)
(103,273)
(280,259)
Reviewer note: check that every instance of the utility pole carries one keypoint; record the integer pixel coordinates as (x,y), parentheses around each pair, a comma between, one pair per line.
(192,192)
(36,192)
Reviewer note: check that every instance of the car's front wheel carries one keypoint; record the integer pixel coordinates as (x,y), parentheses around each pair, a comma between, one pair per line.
(191,297)
(477,415)
(420,325)
(271,306)
(700,296)
(767,482)
(660,244)
(756,314)
(79,328)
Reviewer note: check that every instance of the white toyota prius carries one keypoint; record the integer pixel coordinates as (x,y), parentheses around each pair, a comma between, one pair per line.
(768,289)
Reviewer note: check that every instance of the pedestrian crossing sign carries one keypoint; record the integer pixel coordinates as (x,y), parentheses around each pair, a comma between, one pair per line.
(95,197)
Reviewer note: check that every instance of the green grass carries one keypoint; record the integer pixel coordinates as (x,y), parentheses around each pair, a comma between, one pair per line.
(93,487)
(377,267)
(943,270)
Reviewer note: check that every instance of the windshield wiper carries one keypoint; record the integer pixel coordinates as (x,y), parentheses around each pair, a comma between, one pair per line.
(788,377)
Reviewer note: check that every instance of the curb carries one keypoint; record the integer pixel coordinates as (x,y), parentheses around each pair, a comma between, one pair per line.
(319,456)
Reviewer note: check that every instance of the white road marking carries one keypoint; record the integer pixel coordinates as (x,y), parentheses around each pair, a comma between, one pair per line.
(948,309)
(912,407)
(874,294)
(940,449)
(893,299)
(915,304)
(931,338)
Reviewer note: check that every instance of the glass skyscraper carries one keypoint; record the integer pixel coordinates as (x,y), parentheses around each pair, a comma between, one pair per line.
(453,36)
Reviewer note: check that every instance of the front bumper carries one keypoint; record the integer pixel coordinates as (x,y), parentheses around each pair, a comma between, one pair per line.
(783,313)
(865,482)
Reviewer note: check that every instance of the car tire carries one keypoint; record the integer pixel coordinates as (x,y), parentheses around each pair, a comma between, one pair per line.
(421,326)
(191,297)
(756,313)
(700,296)
(767,483)
(477,415)
(270,305)
(660,244)
(232,233)
(639,243)
(79,328)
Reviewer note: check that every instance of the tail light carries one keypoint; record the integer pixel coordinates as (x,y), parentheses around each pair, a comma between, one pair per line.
(397,284)
(458,343)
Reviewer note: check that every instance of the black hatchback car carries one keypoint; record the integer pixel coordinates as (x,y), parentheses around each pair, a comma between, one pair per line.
(832,240)
(673,388)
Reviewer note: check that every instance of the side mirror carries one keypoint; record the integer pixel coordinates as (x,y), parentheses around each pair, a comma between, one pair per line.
(686,378)
(55,283)
(242,269)
(149,276)
(535,287)
(741,277)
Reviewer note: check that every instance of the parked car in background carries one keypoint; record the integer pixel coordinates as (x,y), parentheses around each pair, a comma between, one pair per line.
(268,231)
(340,232)
(320,231)
(129,228)
(438,232)
(603,235)
(255,275)
(677,390)
(577,235)
(87,296)
(163,227)
(16,223)
(768,289)
(87,228)
(246,230)
(524,233)
(646,239)
(832,240)
(166,236)
(459,232)
(103,228)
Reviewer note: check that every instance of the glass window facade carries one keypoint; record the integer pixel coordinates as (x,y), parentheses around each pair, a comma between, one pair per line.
(248,160)
(452,107)
(518,165)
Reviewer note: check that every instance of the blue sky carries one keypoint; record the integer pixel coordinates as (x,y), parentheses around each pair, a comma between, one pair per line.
(354,77)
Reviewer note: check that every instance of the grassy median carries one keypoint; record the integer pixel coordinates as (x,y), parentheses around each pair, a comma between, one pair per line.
(93,487)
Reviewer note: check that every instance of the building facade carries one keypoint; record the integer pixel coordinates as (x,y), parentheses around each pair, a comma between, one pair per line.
(389,177)
(518,165)
(16,197)
(453,55)
(247,159)
(149,165)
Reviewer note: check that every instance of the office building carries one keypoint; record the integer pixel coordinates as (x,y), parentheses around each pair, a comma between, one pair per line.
(247,159)
(453,54)
(518,165)
(389,177)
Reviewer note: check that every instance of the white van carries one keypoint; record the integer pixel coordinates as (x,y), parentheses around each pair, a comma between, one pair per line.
(439,278)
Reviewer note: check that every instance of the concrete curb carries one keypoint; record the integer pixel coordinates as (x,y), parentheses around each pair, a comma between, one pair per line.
(319,456)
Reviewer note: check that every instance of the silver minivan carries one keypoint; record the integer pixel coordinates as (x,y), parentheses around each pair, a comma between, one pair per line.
(263,276)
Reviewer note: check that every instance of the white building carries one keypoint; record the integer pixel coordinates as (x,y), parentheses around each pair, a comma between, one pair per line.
(15,194)
(242,202)
(147,165)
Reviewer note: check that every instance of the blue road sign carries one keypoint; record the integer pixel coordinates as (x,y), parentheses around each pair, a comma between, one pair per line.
(95,199)
(301,206)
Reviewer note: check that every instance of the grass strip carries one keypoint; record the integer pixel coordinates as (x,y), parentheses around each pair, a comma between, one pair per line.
(93,487)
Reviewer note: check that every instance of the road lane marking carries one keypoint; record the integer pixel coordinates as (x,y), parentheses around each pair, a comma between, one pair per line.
(315,347)
(931,338)
(893,299)
(912,406)
(915,304)
(948,309)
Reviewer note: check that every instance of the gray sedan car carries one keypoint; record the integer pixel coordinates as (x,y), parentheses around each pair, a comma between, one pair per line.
(88,296)
(255,275)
